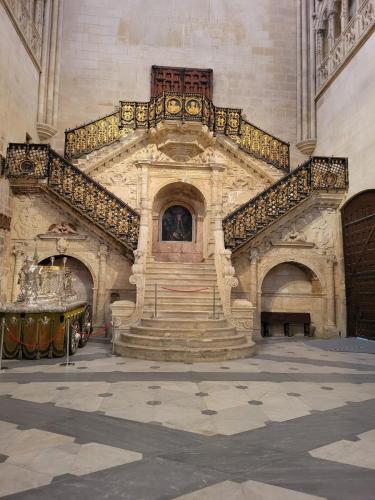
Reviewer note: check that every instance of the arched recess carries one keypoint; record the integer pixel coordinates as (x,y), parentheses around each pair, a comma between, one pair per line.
(358,228)
(290,293)
(177,223)
(83,280)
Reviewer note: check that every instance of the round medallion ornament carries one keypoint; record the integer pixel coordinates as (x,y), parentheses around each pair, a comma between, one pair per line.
(173,105)
(27,167)
(193,106)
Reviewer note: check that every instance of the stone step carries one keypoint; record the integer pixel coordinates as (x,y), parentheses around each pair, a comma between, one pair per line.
(184,323)
(171,313)
(196,297)
(180,273)
(178,307)
(182,265)
(177,331)
(181,342)
(207,262)
(185,354)
(182,305)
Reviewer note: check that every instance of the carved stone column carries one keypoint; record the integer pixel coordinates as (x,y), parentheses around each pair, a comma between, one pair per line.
(319,46)
(255,296)
(344,14)
(50,74)
(216,205)
(102,285)
(331,29)
(18,252)
(145,209)
(306,128)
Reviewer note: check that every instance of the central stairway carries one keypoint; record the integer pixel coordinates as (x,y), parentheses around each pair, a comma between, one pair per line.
(183,318)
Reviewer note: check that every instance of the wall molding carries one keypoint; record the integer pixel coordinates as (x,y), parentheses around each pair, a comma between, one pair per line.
(357,31)
(30,33)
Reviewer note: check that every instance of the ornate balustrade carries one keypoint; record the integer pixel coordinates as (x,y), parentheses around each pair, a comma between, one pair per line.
(178,106)
(355,33)
(39,161)
(317,174)
(93,135)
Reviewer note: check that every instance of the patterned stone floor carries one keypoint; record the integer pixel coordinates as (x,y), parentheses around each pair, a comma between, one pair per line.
(294,422)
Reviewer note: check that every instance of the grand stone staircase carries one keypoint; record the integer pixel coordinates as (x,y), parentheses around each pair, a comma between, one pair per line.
(183,318)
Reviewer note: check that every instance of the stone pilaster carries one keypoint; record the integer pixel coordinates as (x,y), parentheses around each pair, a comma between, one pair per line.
(344,14)
(101,295)
(331,29)
(331,328)
(306,128)
(50,74)
(18,252)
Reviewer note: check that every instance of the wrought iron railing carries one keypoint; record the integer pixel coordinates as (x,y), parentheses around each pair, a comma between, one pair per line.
(317,174)
(92,136)
(178,106)
(39,161)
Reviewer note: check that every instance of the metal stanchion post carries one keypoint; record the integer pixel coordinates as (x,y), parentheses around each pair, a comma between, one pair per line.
(2,368)
(67,328)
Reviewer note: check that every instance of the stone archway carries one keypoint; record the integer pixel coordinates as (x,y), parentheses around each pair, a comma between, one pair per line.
(83,280)
(290,293)
(177,223)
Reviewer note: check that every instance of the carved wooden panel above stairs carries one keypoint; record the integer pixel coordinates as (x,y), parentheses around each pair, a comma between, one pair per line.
(170,79)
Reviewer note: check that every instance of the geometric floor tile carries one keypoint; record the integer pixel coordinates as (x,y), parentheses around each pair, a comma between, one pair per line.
(249,490)
(249,429)
(359,453)
(35,457)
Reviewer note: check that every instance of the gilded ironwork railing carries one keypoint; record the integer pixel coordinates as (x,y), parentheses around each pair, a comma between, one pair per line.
(92,136)
(317,174)
(184,107)
(39,161)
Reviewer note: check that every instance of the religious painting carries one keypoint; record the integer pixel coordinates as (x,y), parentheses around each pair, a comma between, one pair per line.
(193,107)
(173,105)
(177,224)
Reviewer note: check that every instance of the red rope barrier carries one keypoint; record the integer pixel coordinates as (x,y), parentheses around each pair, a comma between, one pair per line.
(44,346)
(174,290)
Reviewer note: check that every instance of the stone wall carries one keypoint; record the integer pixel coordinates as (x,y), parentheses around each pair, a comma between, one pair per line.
(19,81)
(4,237)
(108,49)
(33,216)
(345,118)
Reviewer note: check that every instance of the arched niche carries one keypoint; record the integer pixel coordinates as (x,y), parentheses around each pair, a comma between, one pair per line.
(289,291)
(177,223)
(83,282)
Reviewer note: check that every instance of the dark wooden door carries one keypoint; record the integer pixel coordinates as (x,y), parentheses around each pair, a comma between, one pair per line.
(170,79)
(358,219)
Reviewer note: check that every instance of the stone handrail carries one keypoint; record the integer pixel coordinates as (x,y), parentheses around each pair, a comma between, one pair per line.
(317,174)
(177,106)
(38,161)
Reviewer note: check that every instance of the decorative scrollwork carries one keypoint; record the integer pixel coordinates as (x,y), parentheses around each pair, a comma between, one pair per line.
(177,106)
(318,173)
(92,136)
(76,188)
(27,160)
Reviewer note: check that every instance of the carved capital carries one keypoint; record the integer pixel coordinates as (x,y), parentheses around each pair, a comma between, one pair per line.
(18,249)
(103,251)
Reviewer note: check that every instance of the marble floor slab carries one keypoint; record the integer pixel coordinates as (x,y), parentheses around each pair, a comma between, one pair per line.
(294,422)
